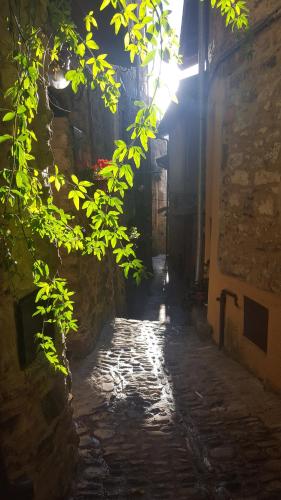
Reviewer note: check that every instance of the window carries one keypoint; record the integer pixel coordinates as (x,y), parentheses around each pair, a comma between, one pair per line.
(255,323)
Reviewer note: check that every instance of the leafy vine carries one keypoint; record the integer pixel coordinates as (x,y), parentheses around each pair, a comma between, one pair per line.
(26,191)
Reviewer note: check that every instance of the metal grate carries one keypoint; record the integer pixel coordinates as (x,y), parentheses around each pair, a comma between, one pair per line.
(256,323)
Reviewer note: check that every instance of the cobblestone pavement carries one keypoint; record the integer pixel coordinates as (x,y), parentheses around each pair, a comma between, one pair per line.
(162,414)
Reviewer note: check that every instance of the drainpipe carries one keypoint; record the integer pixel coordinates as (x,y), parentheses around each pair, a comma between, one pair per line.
(201,140)
(159,136)
(91,124)
(222,300)
(138,90)
(168,207)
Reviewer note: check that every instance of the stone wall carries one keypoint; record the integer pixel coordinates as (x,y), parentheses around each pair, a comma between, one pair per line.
(37,440)
(98,286)
(243,230)
(159,197)
(37,437)
(250,200)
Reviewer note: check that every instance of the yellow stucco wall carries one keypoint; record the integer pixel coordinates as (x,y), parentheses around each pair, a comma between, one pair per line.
(267,366)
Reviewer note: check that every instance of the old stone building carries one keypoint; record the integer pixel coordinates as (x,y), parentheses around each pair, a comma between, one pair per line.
(38,442)
(243,229)
(236,142)
(241,182)
(37,437)
(80,135)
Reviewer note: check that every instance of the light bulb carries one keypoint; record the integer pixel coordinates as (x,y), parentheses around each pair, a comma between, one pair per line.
(57,79)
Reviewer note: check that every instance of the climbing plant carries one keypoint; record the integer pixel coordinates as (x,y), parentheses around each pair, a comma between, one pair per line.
(27,188)
(234,11)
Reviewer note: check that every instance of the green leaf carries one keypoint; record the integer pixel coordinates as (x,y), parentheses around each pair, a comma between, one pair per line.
(57,184)
(21,109)
(113,241)
(85,183)
(40,293)
(9,116)
(75,179)
(81,49)
(20,178)
(70,75)
(76,201)
(110,184)
(104,4)
(90,20)
(91,44)
(5,137)
(150,56)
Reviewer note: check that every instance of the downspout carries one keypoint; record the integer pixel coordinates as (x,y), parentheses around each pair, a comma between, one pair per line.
(160,137)
(138,87)
(201,140)
(91,123)
(222,300)
(167,205)
(138,78)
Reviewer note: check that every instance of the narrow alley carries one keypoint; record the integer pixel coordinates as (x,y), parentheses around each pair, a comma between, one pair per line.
(140,250)
(161,413)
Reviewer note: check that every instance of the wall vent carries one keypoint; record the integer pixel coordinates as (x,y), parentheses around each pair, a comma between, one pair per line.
(255,323)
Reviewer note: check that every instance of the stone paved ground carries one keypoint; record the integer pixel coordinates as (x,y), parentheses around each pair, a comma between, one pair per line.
(162,414)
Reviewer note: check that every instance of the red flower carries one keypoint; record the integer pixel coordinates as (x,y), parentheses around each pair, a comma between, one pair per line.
(101,163)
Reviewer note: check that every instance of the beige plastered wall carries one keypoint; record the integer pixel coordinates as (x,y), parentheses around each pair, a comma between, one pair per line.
(266,366)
